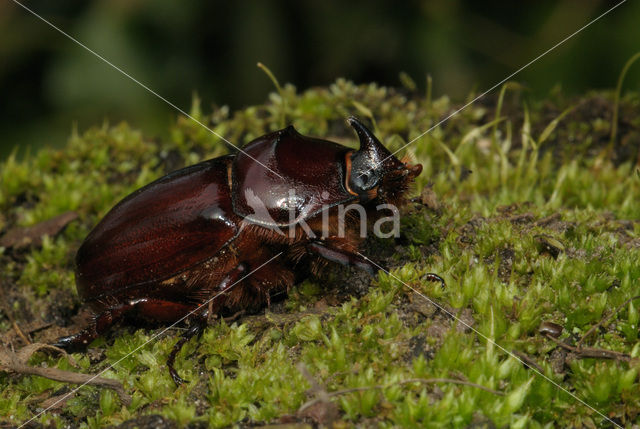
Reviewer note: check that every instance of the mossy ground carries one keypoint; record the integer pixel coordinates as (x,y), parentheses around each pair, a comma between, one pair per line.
(537,221)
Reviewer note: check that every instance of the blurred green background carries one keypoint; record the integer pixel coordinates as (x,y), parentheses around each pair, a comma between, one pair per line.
(48,83)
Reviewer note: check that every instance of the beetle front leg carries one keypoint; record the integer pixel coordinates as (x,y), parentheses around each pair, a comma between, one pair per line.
(201,317)
(344,257)
(341,256)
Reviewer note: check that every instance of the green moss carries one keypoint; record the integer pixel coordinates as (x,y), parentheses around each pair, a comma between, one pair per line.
(529,160)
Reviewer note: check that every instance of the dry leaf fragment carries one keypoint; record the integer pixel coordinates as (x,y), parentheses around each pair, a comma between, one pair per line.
(21,237)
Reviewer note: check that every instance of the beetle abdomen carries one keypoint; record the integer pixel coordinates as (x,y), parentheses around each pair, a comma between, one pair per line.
(162,229)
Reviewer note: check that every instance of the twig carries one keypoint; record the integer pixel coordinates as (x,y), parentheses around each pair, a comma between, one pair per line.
(21,334)
(320,392)
(24,354)
(15,325)
(57,401)
(31,330)
(324,412)
(402,382)
(603,321)
(547,220)
(12,362)
(588,352)
(527,360)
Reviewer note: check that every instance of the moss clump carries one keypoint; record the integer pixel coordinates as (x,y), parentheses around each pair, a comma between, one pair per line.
(537,221)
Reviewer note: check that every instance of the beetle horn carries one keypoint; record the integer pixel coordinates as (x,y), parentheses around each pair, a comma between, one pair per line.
(367,163)
(370,146)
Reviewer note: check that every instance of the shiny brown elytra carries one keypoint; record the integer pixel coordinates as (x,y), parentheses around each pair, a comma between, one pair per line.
(172,245)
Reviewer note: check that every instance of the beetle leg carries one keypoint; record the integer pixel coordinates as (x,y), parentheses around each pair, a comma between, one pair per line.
(100,323)
(202,317)
(194,330)
(342,257)
(347,258)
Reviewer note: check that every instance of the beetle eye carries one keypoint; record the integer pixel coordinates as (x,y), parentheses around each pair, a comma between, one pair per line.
(363,181)
(364,176)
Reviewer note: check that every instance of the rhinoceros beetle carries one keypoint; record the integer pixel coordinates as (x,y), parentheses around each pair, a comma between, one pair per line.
(172,245)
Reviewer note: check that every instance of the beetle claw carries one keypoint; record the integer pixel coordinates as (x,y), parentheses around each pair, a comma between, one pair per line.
(73,343)
(432,277)
(176,378)
(172,356)
(63,343)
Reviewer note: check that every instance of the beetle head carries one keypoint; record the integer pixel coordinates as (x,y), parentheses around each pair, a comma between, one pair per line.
(373,171)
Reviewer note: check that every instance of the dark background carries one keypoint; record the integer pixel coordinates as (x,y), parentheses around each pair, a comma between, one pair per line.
(48,83)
